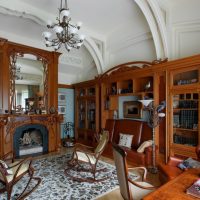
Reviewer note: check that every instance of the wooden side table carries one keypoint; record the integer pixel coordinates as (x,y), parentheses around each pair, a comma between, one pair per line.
(176,188)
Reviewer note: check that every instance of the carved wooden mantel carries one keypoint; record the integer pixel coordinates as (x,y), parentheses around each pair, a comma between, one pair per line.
(9,124)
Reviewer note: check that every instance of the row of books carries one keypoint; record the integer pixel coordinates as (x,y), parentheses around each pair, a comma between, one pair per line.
(186,119)
(188,104)
(180,139)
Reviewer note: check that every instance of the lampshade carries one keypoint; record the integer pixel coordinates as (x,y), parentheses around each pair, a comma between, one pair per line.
(146,102)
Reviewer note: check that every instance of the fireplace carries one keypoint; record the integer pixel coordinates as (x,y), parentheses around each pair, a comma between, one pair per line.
(30,139)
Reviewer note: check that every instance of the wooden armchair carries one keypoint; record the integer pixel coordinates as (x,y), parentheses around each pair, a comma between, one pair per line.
(87,155)
(129,189)
(10,174)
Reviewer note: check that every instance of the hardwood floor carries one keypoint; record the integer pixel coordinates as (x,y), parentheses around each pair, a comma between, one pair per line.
(115,194)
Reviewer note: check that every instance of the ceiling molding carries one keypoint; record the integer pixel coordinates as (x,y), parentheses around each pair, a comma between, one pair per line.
(95,53)
(178,30)
(24,15)
(161,22)
(91,46)
(70,60)
(144,6)
(129,41)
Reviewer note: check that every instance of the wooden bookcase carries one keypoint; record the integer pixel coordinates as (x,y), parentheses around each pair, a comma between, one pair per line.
(86,111)
(125,82)
(184,93)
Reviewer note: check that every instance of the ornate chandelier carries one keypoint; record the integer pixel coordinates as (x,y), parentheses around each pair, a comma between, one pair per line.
(65,31)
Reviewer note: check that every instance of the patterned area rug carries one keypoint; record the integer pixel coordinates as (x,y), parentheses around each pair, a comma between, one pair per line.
(56,185)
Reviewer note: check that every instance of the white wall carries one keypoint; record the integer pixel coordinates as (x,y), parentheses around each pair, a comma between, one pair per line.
(184,28)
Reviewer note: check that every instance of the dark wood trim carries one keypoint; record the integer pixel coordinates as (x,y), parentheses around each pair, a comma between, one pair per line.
(65,86)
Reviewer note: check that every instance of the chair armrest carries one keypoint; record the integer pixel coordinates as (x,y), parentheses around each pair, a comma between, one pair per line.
(20,164)
(7,155)
(140,186)
(174,161)
(143,169)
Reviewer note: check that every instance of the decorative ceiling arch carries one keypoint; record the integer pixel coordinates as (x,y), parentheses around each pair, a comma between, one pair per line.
(89,42)
(153,16)
(161,25)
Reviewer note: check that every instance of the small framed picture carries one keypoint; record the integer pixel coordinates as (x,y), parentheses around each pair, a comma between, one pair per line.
(61,98)
(61,109)
(132,109)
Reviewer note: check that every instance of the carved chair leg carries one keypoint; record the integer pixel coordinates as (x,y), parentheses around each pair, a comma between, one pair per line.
(9,191)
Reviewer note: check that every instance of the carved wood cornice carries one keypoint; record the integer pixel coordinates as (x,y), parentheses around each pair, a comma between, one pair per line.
(130,66)
(3,121)
(3,41)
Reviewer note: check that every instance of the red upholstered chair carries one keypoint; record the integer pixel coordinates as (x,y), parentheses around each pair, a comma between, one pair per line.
(198,152)
(170,170)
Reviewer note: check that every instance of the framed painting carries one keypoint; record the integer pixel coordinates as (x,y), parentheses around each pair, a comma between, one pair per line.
(61,109)
(132,109)
(61,98)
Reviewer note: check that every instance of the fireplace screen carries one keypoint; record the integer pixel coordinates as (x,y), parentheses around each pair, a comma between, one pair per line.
(31,142)
(31,139)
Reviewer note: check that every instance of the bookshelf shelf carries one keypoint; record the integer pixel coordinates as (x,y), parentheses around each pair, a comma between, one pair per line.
(184,129)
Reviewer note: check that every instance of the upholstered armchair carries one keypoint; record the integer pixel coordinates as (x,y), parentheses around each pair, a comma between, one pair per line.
(170,170)
(129,189)
(11,173)
(89,156)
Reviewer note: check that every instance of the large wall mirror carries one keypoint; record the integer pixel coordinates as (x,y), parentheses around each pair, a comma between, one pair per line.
(28,83)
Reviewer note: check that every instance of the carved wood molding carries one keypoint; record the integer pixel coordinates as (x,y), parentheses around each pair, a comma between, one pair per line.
(3,121)
(3,41)
(13,122)
(129,67)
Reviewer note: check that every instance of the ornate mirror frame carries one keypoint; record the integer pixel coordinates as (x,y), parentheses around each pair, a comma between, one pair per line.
(12,70)
(9,51)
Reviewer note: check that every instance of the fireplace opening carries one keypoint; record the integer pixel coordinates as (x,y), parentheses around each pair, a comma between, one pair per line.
(30,140)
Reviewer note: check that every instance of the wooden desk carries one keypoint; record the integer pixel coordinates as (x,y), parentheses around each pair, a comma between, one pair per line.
(176,188)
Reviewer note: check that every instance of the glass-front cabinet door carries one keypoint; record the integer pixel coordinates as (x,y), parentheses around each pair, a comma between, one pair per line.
(184,111)
(185,118)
